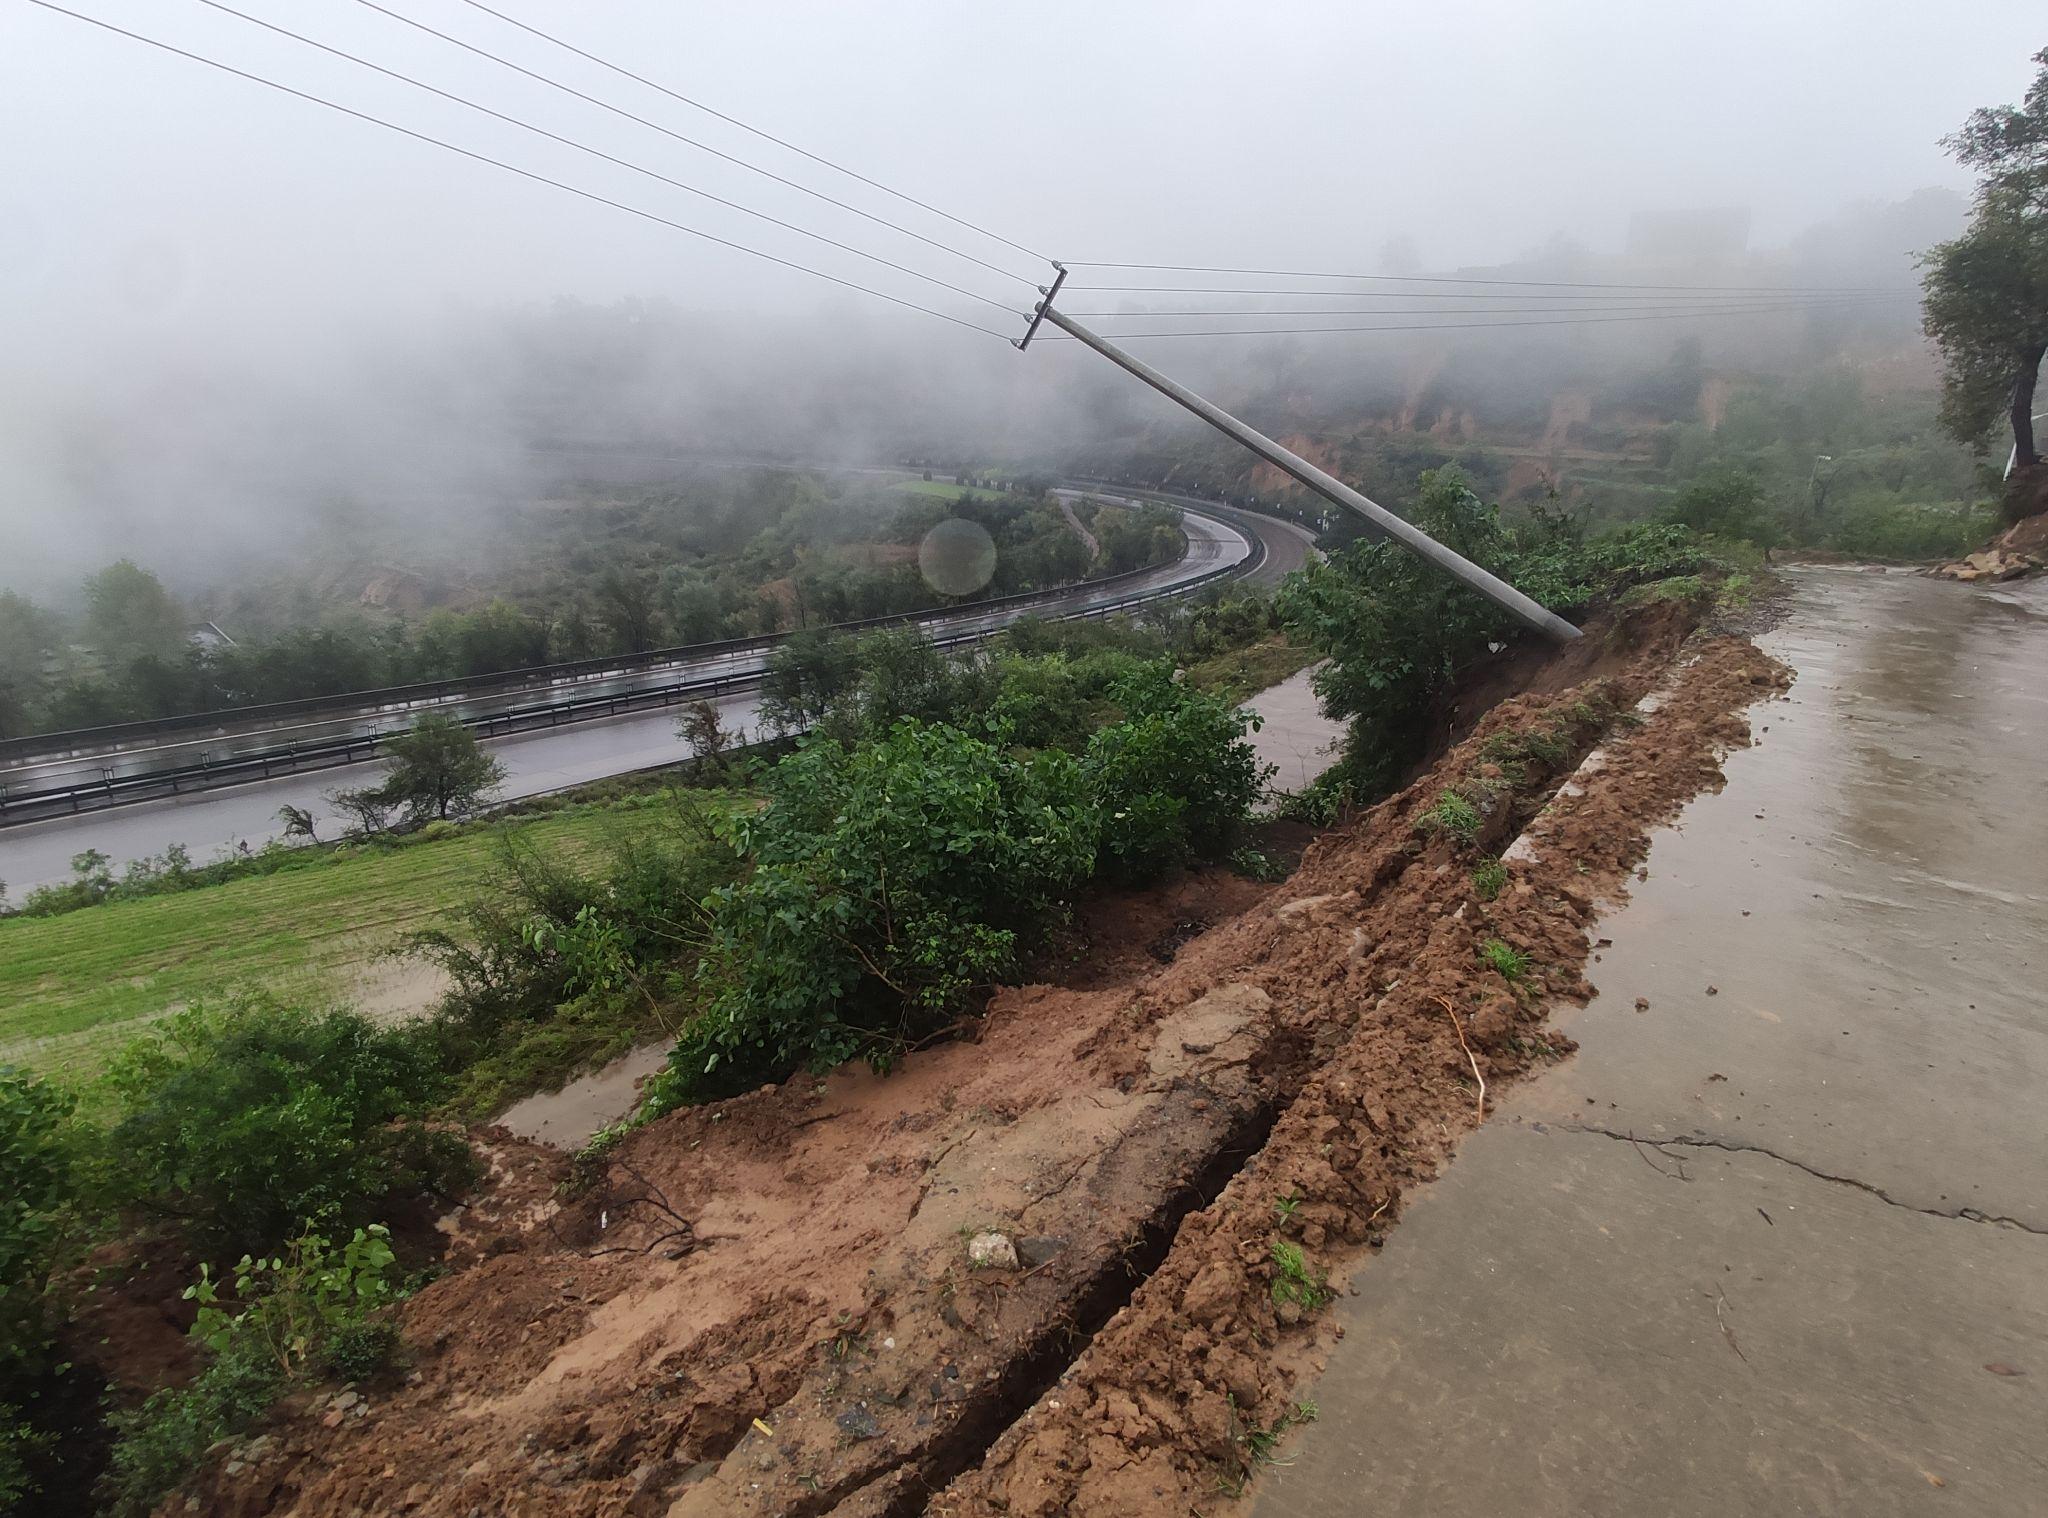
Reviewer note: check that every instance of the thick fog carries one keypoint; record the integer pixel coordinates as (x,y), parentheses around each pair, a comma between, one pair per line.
(229,313)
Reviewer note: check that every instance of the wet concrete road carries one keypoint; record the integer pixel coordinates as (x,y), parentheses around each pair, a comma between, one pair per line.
(1808,1297)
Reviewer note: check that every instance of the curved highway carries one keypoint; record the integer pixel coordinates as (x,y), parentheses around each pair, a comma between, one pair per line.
(210,822)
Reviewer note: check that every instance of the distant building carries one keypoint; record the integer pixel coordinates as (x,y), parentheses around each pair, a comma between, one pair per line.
(207,635)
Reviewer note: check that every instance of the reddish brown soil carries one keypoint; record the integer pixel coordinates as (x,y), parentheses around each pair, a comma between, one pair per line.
(1375,961)
(766,1306)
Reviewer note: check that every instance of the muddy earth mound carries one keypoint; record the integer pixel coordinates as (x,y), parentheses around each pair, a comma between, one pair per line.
(1074,1265)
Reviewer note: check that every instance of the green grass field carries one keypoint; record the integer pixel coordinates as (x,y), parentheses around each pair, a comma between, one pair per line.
(76,987)
(946,490)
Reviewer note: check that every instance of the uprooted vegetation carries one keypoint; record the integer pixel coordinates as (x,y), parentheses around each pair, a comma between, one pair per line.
(768,1303)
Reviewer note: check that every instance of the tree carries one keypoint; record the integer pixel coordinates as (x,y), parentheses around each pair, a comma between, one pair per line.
(2009,144)
(707,738)
(128,612)
(437,771)
(28,637)
(626,605)
(1728,503)
(298,822)
(1987,290)
(807,672)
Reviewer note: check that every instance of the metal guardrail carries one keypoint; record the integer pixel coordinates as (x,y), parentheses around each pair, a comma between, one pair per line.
(117,790)
(50,747)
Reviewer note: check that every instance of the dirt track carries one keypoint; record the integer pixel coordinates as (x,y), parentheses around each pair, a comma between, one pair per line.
(817,1341)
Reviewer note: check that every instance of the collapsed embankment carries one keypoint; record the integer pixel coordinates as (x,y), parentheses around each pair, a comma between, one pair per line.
(768,1305)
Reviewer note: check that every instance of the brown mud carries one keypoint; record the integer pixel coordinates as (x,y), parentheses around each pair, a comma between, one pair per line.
(768,1305)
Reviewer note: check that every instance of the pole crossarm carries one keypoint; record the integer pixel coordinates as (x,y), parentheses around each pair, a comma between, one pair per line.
(1326,485)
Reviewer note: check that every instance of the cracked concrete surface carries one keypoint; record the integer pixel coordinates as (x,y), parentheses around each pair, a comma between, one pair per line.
(1710,1266)
(1964,1214)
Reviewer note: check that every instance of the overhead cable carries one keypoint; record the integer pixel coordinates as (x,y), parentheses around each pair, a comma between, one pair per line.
(752,168)
(509,168)
(623,163)
(756,131)
(1563,321)
(1451,279)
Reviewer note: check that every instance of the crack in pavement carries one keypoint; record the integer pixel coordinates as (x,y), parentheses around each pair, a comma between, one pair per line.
(1737,1146)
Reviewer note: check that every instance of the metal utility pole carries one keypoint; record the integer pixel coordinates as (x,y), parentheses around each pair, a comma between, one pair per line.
(1323,484)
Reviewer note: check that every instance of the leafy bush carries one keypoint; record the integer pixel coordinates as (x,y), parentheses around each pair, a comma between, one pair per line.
(558,964)
(39,1165)
(40,1153)
(362,1351)
(249,1124)
(1893,530)
(1174,780)
(307,1307)
(292,1304)
(890,880)
(1728,503)
(1396,632)
(164,1440)
(438,771)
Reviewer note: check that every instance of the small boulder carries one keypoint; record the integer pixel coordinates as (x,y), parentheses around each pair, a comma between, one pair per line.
(992,1251)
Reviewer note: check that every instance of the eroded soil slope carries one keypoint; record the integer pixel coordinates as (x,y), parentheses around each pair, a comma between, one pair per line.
(768,1306)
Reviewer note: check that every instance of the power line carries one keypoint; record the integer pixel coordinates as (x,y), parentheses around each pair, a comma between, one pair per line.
(756,131)
(752,168)
(1683,309)
(617,205)
(405,78)
(1565,321)
(1579,300)
(1448,279)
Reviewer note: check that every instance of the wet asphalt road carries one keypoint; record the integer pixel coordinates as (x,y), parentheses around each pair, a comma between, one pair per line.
(537,762)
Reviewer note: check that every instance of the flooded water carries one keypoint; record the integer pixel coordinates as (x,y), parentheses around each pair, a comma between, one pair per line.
(1296,738)
(568,1117)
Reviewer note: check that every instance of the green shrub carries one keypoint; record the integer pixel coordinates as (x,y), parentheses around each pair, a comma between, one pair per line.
(41,1149)
(40,1152)
(1489,878)
(248,1124)
(1397,632)
(890,881)
(162,1442)
(292,1304)
(1174,780)
(363,1352)
(308,1306)
(555,963)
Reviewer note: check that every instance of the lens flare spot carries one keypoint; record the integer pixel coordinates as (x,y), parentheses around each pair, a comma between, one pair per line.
(957,557)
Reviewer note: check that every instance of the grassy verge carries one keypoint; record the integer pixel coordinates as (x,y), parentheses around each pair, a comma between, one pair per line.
(946,490)
(1241,672)
(74,988)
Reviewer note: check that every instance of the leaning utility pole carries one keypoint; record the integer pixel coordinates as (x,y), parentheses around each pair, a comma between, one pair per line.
(1323,484)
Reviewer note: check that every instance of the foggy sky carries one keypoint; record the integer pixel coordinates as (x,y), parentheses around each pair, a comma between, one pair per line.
(194,269)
